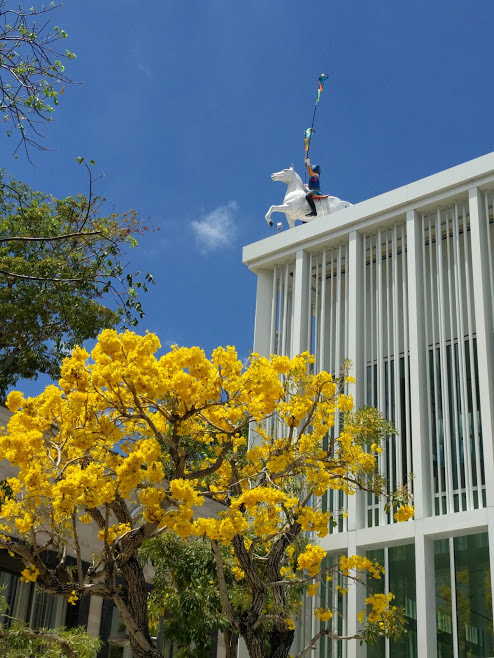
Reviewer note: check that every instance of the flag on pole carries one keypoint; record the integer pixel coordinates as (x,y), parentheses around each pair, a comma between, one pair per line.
(322,79)
(308,134)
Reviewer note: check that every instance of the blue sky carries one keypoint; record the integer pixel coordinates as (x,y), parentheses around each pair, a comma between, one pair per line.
(188,107)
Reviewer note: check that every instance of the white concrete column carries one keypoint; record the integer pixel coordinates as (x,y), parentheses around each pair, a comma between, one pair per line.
(418,369)
(355,279)
(355,603)
(262,327)
(242,651)
(94,615)
(425,592)
(483,327)
(300,301)
(355,274)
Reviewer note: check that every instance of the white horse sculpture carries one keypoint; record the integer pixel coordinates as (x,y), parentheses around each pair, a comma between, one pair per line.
(295,205)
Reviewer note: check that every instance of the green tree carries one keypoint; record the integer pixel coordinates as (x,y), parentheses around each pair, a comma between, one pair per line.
(32,69)
(62,276)
(185,595)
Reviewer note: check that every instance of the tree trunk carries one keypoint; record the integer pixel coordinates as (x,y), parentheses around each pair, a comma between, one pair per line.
(132,605)
(272,644)
(254,644)
(280,642)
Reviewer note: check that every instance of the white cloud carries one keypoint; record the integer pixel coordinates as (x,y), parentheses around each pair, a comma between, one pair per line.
(216,229)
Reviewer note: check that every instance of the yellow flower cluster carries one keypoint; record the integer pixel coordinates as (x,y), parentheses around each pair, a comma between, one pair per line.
(312,589)
(345,402)
(184,491)
(287,572)
(360,563)
(313,520)
(404,513)
(379,606)
(223,529)
(30,574)
(238,573)
(257,495)
(114,532)
(323,614)
(73,597)
(311,559)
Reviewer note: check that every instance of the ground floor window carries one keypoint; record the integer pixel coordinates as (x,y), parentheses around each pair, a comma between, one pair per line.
(27,603)
(463,597)
(399,578)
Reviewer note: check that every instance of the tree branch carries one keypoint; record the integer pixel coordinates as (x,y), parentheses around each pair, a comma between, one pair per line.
(44,636)
(225,601)
(325,632)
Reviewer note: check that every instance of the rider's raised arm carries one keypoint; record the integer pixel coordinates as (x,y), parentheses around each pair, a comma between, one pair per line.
(309,168)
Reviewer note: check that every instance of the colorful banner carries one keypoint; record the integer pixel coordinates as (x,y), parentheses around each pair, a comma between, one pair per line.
(308,134)
(322,79)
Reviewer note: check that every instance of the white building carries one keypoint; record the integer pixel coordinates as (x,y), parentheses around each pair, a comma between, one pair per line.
(402,285)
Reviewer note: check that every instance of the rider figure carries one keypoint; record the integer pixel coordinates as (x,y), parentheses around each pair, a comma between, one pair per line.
(314,174)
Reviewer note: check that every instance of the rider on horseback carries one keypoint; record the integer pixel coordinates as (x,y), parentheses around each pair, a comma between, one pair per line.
(314,174)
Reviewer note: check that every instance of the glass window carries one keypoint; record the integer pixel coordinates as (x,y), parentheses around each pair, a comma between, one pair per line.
(17,594)
(333,599)
(400,579)
(47,611)
(463,597)
(29,604)
(444,614)
(457,454)
(401,567)
(473,596)
(377,650)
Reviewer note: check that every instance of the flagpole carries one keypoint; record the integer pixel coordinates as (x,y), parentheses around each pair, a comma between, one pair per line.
(308,133)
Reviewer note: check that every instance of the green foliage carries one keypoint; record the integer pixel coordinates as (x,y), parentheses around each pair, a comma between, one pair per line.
(185,592)
(19,640)
(62,276)
(32,69)
(5,494)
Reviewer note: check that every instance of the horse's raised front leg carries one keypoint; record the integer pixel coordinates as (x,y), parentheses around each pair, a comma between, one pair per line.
(273,209)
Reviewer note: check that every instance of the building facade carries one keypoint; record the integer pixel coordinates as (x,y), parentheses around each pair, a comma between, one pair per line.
(402,285)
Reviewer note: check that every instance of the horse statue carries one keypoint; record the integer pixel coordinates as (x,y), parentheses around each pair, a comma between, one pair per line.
(295,206)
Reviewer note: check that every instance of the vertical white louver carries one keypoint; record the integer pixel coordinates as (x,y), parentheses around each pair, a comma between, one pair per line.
(386,354)
(457,471)
(328,308)
(327,324)
(282,309)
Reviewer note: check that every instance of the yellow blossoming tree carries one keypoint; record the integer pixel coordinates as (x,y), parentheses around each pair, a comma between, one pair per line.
(139,445)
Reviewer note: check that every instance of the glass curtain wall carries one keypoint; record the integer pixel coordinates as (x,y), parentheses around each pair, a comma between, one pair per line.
(38,609)
(331,597)
(399,578)
(456,434)
(463,597)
